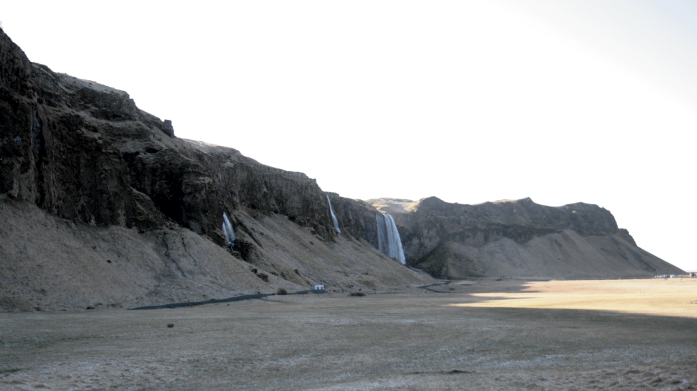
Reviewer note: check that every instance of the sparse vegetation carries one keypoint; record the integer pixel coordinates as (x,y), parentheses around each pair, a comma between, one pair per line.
(356,294)
(281,291)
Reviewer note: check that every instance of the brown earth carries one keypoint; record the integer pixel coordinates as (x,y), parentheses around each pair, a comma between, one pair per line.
(413,340)
(48,263)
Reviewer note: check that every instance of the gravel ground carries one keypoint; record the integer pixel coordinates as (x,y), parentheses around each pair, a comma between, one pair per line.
(414,340)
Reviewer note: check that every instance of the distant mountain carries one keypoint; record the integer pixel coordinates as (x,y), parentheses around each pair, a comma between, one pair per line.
(518,239)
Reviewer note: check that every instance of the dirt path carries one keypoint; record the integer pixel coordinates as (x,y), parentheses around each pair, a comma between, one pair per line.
(415,340)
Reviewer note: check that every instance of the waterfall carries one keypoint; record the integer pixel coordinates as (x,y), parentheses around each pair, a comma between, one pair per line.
(389,242)
(334,220)
(229,233)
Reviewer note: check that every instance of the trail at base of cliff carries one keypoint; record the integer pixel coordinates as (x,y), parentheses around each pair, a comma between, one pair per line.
(416,340)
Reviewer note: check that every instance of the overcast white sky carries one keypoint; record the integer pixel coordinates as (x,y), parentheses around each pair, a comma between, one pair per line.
(469,101)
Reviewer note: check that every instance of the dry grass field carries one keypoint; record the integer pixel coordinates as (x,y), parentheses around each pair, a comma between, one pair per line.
(487,335)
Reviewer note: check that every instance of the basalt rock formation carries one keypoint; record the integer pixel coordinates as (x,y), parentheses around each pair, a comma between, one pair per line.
(518,239)
(102,203)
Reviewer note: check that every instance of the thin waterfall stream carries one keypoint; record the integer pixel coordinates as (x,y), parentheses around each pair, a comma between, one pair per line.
(228,231)
(334,220)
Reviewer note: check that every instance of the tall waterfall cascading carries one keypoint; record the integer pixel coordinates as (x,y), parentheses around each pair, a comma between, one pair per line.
(334,220)
(228,231)
(389,242)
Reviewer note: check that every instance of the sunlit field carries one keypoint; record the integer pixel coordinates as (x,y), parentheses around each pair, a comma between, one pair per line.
(665,297)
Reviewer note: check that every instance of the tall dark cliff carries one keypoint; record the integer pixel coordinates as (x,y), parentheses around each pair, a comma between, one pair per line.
(87,157)
(356,217)
(84,151)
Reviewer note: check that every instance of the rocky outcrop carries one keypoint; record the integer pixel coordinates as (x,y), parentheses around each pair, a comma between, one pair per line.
(518,238)
(356,217)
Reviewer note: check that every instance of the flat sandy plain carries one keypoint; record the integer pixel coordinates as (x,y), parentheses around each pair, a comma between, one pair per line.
(483,335)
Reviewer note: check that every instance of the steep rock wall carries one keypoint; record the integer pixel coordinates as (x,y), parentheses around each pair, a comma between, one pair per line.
(82,150)
(356,217)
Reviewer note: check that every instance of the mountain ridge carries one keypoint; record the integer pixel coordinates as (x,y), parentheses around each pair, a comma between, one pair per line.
(577,240)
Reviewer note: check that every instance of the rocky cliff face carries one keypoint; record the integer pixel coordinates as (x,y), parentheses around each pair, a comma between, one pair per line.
(356,217)
(84,153)
(518,238)
(433,221)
